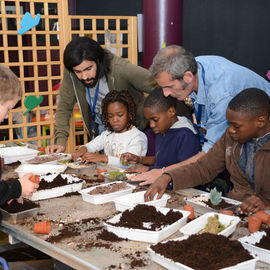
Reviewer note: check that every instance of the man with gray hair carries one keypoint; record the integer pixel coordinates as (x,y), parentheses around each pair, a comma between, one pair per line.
(211,82)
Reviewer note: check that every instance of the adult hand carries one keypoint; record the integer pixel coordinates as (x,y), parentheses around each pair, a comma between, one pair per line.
(252,204)
(128,158)
(28,187)
(94,157)
(79,153)
(51,149)
(137,169)
(147,177)
(159,186)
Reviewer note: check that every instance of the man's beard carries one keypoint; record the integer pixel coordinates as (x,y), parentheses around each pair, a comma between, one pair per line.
(93,79)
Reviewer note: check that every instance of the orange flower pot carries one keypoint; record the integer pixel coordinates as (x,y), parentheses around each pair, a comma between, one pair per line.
(35,179)
(42,227)
(263,216)
(190,208)
(99,171)
(254,224)
(226,212)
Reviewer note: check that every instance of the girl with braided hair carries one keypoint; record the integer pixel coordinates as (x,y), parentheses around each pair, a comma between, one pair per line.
(119,118)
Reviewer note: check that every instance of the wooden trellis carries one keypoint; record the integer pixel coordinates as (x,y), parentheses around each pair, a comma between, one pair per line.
(36,57)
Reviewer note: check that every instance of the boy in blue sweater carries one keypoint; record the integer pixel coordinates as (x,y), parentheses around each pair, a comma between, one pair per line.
(176,137)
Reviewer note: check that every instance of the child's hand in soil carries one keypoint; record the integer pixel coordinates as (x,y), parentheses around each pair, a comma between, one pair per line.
(252,205)
(128,158)
(79,153)
(137,169)
(94,157)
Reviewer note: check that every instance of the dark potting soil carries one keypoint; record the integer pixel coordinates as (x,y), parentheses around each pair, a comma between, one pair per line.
(58,181)
(204,251)
(15,207)
(265,241)
(109,236)
(146,213)
(222,205)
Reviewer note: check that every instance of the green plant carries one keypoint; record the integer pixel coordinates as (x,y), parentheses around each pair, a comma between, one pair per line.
(215,196)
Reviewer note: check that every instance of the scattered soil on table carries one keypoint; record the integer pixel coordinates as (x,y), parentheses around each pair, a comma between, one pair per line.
(73,229)
(136,261)
(109,236)
(141,214)
(108,189)
(222,205)
(15,207)
(76,193)
(204,251)
(58,181)
(265,241)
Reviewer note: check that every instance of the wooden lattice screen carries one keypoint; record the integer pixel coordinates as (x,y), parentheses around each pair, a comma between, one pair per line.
(36,58)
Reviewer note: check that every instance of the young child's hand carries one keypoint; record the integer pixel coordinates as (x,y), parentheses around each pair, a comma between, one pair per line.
(252,205)
(137,169)
(94,157)
(28,187)
(79,153)
(128,158)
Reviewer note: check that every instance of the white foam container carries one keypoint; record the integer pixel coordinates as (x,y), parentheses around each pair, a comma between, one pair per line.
(198,224)
(104,198)
(60,156)
(248,243)
(39,169)
(17,153)
(130,200)
(57,191)
(170,264)
(146,235)
(203,208)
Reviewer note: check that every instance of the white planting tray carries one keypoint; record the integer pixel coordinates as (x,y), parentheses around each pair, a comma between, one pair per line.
(57,191)
(199,223)
(40,169)
(202,208)
(17,153)
(58,157)
(104,198)
(170,264)
(146,235)
(130,200)
(248,242)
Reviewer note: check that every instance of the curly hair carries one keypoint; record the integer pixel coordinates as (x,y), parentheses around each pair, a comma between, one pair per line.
(123,97)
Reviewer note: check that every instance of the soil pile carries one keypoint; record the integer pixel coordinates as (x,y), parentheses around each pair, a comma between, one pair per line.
(108,189)
(204,251)
(15,207)
(141,214)
(265,241)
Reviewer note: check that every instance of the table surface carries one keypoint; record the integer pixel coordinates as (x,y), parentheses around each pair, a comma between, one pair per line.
(84,251)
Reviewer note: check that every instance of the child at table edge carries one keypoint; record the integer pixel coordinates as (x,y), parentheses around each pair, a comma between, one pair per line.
(10,94)
(244,150)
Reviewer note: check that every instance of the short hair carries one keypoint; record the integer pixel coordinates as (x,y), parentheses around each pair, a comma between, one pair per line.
(157,100)
(251,101)
(10,86)
(174,59)
(85,48)
(123,97)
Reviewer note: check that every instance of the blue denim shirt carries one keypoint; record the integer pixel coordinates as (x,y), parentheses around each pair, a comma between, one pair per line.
(219,80)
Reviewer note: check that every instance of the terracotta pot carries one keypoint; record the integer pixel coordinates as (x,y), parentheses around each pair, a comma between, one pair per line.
(226,212)
(35,179)
(42,227)
(263,216)
(190,208)
(99,171)
(254,224)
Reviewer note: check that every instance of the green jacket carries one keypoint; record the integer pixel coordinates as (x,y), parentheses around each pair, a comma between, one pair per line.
(123,76)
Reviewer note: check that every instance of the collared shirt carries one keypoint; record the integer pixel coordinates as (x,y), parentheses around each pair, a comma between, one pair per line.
(222,81)
(103,90)
(247,158)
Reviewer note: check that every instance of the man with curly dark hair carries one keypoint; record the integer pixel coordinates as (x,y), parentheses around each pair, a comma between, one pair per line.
(90,73)
(119,117)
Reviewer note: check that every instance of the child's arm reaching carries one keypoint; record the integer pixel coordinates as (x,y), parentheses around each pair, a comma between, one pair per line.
(94,157)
